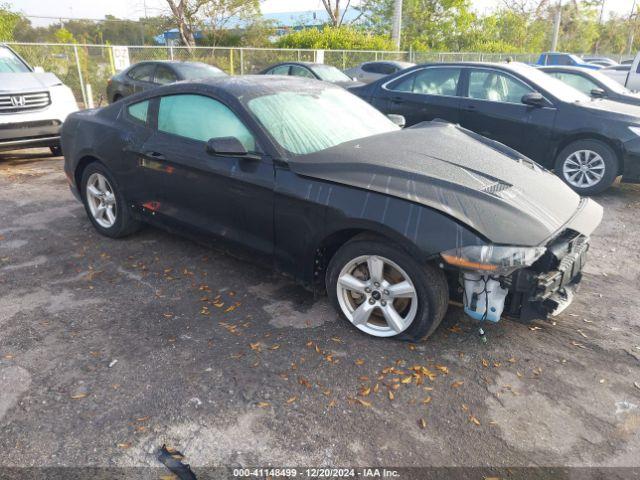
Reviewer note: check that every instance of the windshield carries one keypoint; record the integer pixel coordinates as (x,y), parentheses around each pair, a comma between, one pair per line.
(308,122)
(555,87)
(330,74)
(192,71)
(9,63)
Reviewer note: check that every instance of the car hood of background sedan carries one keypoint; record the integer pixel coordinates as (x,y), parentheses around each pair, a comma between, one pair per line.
(494,190)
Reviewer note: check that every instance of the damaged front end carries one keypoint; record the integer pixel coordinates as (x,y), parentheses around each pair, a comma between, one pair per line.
(521,283)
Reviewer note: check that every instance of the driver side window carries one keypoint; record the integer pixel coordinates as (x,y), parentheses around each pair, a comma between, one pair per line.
(201,118)
(429,81)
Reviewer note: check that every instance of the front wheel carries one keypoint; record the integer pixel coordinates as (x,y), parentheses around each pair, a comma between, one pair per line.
(587,166)
(104,203)
(383,292)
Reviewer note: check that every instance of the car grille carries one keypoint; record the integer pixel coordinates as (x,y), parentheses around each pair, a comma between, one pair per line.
(23,102)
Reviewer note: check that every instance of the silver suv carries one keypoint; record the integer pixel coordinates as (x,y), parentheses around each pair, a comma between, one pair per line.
(33,105)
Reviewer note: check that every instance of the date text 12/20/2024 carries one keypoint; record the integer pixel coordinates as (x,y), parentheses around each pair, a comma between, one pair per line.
(315,472)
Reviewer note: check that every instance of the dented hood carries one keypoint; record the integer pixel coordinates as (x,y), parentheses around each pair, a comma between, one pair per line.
(494,190)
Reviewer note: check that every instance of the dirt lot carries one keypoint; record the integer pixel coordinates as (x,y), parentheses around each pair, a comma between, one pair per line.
(108,349)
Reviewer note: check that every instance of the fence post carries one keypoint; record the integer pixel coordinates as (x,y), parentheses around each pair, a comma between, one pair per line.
(231,61)
(84,95)
(241,61)
(344,60)
(299,56)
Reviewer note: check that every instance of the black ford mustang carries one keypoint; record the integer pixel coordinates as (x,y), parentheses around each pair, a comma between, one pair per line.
(389,221)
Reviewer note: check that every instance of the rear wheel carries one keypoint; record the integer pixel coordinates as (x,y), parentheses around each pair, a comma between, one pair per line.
(104,203)
(587,166)
(383,292)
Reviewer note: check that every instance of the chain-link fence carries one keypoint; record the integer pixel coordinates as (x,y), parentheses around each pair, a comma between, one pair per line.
(86,68)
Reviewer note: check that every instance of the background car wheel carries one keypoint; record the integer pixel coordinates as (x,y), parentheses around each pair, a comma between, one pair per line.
(587,166)
(104,203)
(56,150)
(383,292)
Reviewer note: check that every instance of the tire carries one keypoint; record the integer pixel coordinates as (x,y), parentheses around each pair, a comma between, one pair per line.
(430,290)
(56,150)
(603,161)
(121,223)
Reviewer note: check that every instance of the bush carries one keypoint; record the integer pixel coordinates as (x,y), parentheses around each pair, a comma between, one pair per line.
(335,38)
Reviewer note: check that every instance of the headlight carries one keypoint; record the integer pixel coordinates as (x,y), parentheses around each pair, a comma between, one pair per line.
(635,130)
(496,259)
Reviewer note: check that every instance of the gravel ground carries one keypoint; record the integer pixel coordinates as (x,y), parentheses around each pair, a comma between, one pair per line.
(110,348)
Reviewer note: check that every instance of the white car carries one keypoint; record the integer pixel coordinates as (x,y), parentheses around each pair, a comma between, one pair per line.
(33,105)
(627,74)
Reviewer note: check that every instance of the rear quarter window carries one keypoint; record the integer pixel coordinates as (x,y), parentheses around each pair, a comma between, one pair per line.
(139,111)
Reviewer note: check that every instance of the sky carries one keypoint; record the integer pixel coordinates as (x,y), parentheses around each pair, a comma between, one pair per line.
(133,9)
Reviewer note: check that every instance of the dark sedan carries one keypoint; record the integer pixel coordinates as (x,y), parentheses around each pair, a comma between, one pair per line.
(594,83)
(146,75)
(589,143)
(330,191)
(317,71)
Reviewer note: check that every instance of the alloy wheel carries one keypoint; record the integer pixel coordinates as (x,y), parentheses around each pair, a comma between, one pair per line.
(584,168)
(377,296)
(101,200)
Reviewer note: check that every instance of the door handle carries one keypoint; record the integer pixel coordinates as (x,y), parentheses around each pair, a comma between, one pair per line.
(397,99)
(470,108)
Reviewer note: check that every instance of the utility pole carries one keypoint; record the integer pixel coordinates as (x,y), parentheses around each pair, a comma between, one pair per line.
(396,28)
(632,14)
(556,27)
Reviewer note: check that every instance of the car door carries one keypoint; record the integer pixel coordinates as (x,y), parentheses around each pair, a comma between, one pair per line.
(223,195)
(423,94)
(493,107)
(142,77)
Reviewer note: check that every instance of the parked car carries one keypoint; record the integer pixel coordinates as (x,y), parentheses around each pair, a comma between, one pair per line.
(568,59)
(588,143)
(317,71)
(627,61)
(368,72)
(146,75)
(601,61)
(593,83)
(628,75)
(329,190)
(33,105)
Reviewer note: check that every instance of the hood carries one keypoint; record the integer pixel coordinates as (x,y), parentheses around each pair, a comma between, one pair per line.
(27,82)
(349,84)
(625,111)
(485,185)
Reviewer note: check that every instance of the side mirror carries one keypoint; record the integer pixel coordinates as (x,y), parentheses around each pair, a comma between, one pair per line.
(226,146)
(598,93)
(534,99)
(399,120)
(38,70)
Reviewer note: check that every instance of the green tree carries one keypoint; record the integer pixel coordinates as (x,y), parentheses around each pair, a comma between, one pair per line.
(335,38)
(8,22)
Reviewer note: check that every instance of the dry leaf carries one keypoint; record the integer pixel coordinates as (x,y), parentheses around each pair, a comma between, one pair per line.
(263,404)
(443,369)
(292,399)
(364,391)
(422,423)
(457,383)
(485,363)
(391,395)
(124,445)
(359,361)
(426,401)
(78,396)
(274,347)
(473,419)
(364,403)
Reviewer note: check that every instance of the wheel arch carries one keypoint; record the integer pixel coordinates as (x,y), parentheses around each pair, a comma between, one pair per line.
(617,148)
(82,164)
(331,242)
